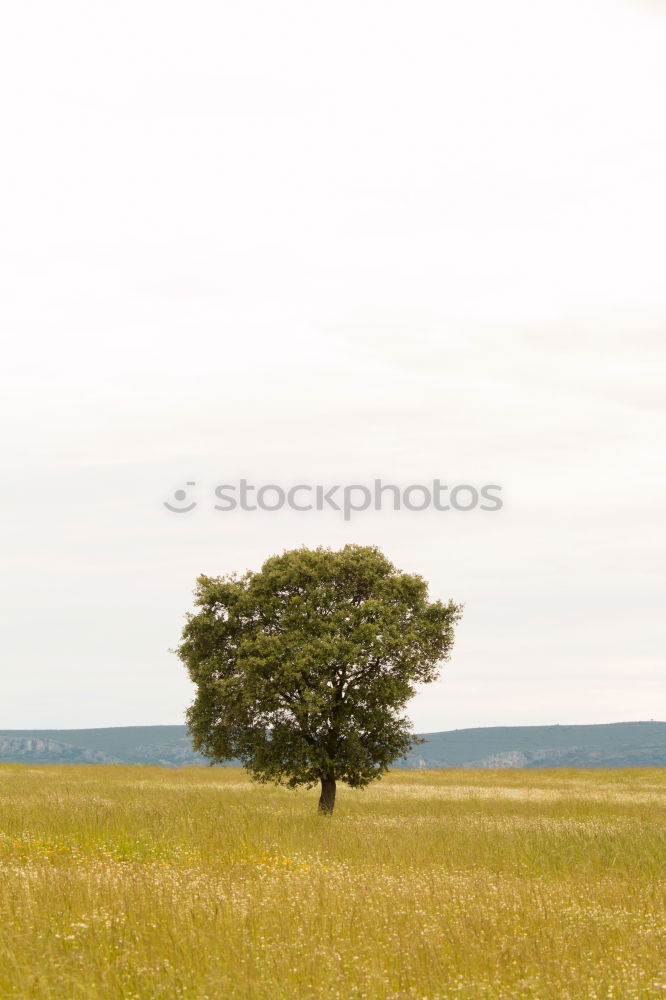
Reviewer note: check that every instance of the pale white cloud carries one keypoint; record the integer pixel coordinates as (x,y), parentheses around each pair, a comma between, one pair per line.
(331,244)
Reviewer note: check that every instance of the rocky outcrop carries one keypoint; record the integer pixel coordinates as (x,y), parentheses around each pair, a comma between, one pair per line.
(35,750)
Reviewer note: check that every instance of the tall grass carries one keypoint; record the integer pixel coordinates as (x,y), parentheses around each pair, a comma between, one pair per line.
(140,883)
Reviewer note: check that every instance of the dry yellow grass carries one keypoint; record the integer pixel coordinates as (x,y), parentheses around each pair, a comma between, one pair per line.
(142,883)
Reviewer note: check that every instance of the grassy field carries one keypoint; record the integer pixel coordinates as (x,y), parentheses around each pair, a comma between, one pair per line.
(144,883)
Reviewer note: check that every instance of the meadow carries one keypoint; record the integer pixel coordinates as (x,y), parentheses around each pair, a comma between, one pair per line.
(141,883)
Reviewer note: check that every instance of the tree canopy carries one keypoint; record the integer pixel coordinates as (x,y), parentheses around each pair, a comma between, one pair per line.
(303,668)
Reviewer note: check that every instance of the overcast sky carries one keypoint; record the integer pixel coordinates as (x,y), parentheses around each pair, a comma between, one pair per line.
(324,243)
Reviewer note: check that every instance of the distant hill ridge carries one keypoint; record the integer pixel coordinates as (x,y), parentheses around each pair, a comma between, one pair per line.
(617,744)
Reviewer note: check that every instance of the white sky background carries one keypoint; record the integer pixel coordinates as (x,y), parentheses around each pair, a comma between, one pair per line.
(311,242)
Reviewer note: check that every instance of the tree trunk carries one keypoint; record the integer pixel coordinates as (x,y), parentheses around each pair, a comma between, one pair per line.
(327,797)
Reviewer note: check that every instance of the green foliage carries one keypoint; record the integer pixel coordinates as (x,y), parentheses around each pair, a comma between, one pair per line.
(303,668)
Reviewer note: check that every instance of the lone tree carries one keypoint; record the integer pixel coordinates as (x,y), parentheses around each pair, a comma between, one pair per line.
(303,668)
